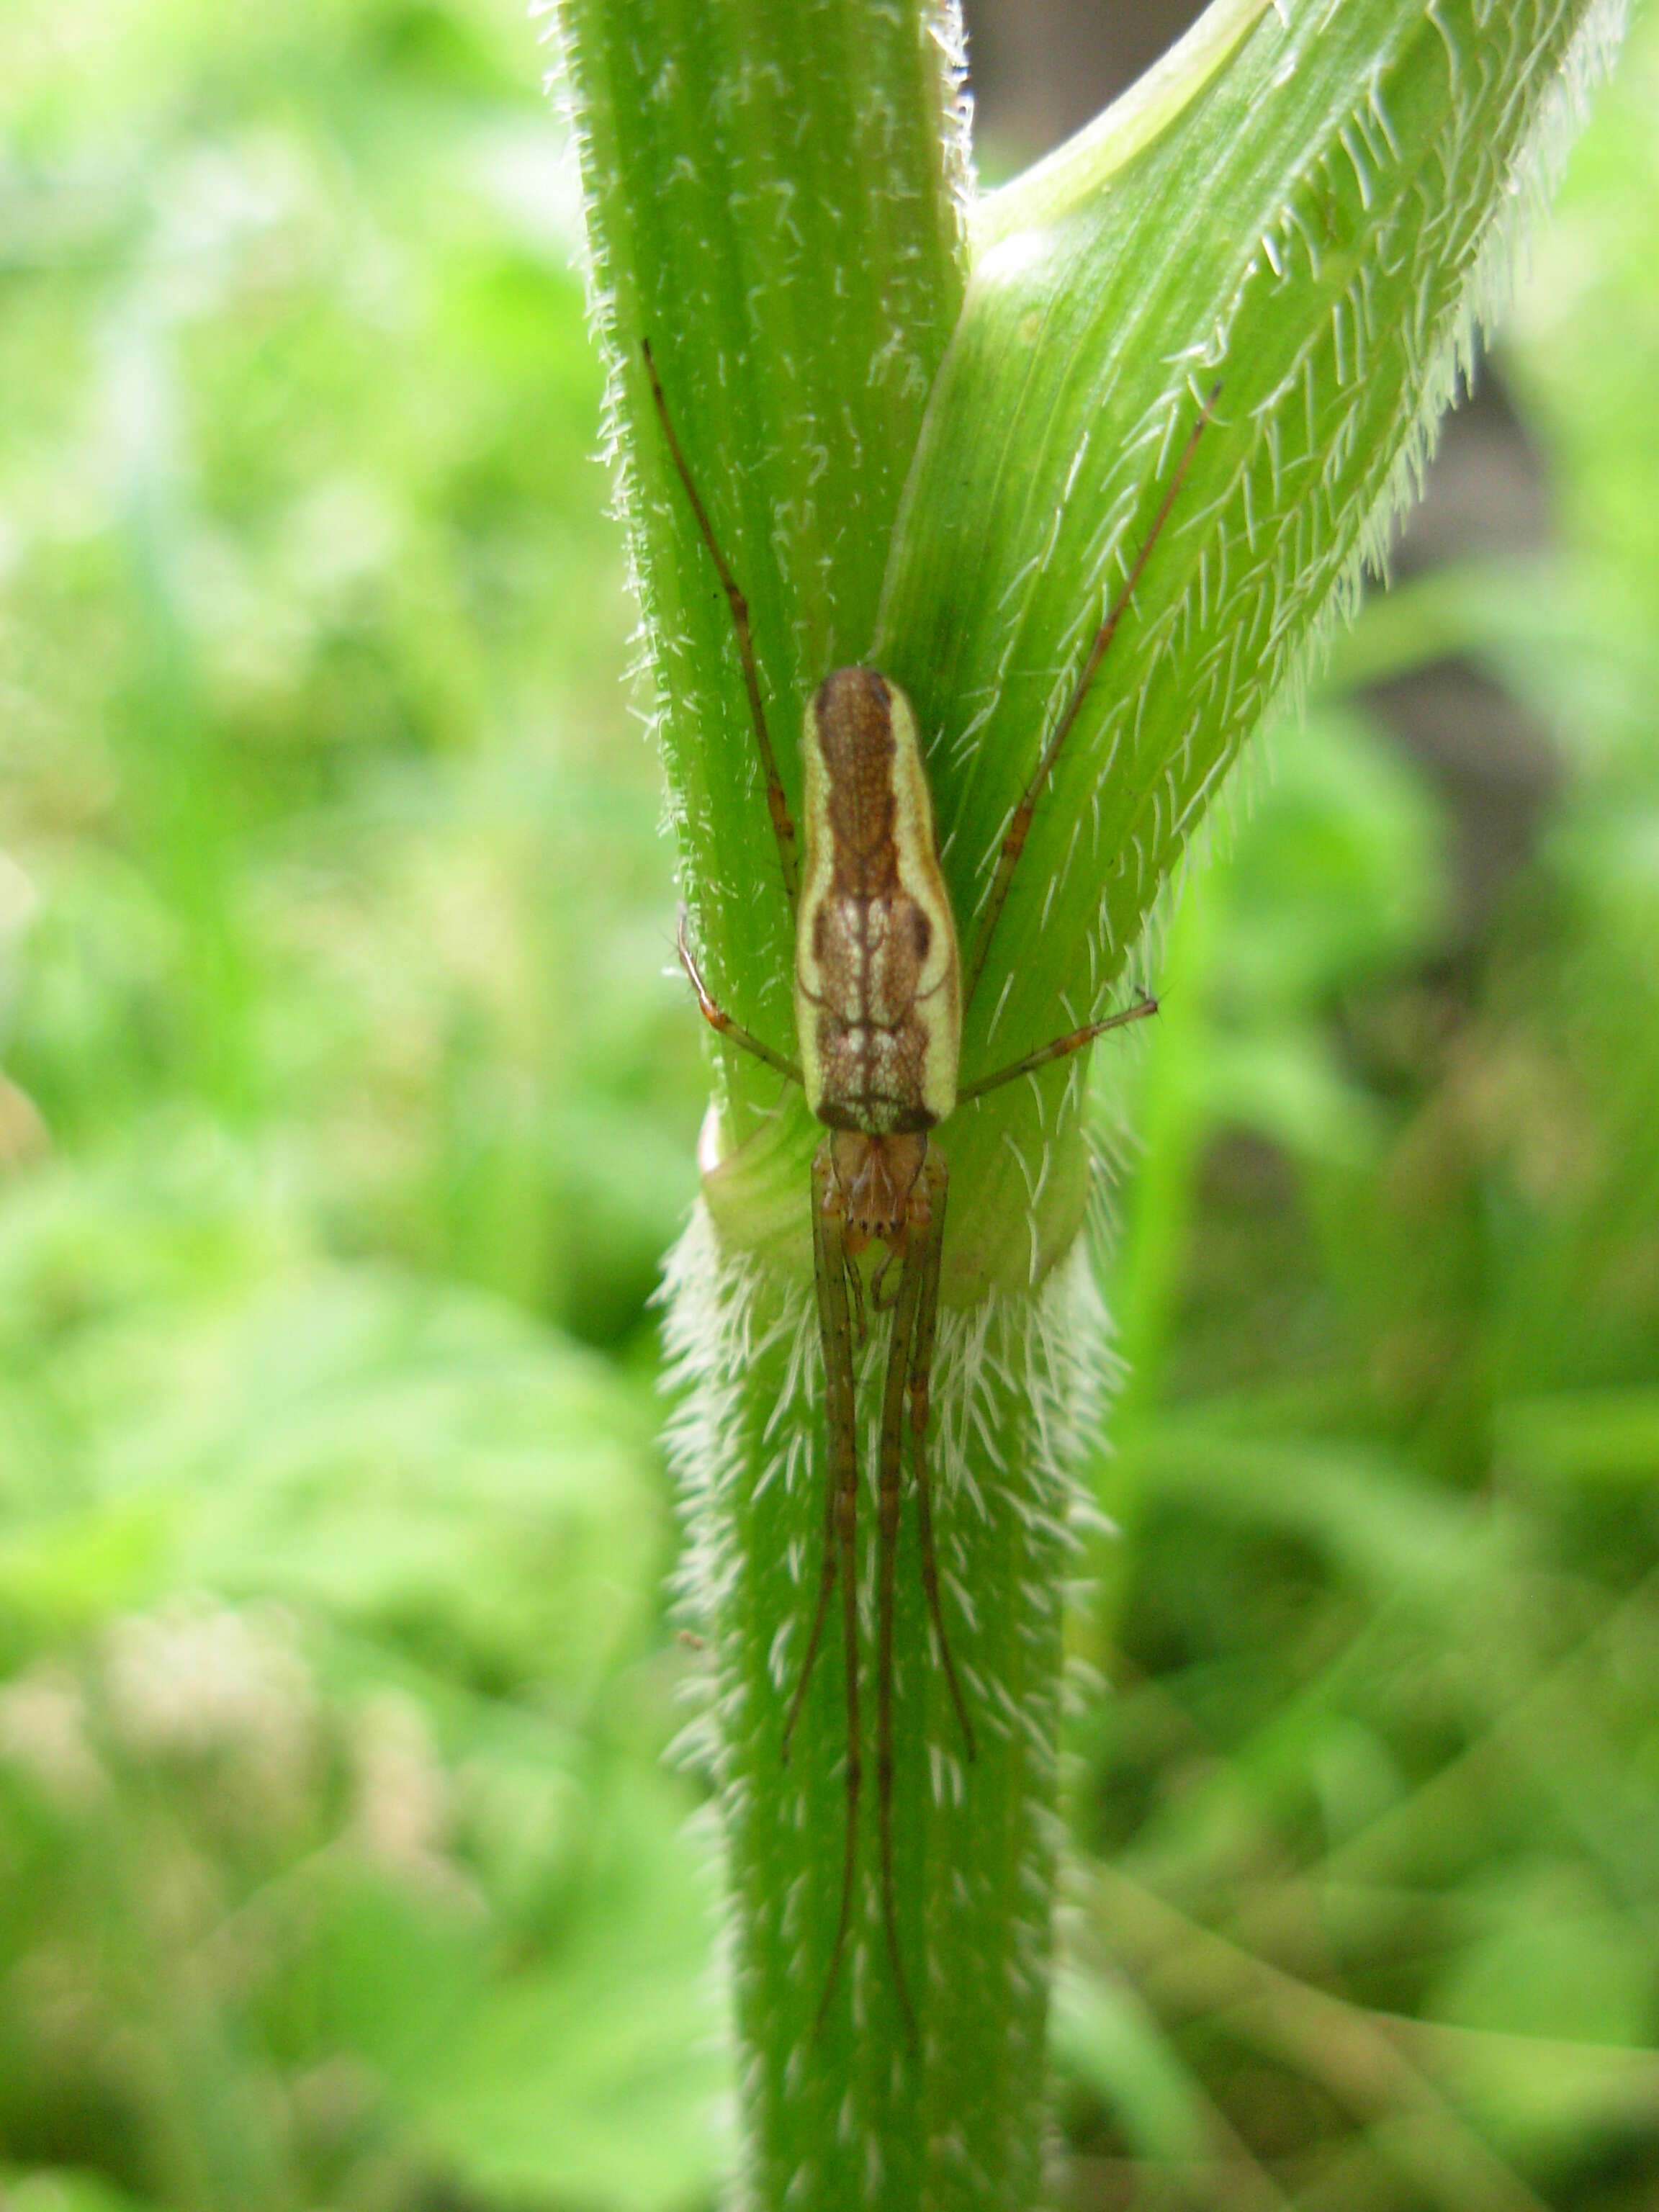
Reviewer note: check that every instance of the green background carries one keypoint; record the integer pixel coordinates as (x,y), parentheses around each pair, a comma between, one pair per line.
(349,1106)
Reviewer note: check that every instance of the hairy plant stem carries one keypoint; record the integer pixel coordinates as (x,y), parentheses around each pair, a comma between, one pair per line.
(933,435)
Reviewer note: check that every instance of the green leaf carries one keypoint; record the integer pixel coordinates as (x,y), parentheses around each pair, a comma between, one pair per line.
(1318,231)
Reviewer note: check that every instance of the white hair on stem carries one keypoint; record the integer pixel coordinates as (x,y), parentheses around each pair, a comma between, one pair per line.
(1016,1403)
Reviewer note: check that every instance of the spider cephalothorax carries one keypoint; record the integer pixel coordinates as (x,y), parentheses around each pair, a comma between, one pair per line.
(875,1178)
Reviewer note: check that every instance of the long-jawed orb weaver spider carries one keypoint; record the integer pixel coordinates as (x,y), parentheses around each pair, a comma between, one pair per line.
(880,992)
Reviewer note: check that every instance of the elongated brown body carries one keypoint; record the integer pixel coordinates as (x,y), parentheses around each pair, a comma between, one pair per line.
(878,992)
(877,988)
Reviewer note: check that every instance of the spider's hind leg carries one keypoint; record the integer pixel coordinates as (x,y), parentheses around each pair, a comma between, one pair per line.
(1019,823)
(777,805)
(723,1023)
(1073,1041)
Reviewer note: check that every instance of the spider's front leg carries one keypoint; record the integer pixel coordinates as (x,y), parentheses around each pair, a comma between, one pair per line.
(909,1362)
(829,1268)
(936,1184)
(914,1248)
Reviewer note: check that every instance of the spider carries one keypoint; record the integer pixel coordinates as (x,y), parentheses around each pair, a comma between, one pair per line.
(880,990)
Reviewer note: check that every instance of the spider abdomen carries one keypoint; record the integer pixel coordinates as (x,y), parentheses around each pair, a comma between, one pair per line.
(878,988)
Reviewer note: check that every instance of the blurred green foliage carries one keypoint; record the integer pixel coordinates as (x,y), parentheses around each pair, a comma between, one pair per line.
(347,1116)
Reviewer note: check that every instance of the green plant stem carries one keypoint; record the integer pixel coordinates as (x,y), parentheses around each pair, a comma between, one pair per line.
(1307,205)
(775,204)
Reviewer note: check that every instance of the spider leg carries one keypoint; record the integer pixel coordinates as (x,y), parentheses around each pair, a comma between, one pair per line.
(840,1523)
(921,1363)
(855,1284)
(1013,842)
(1073,1041)
(777,805)
(892,1436)
(838,1415)
(717,1018)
